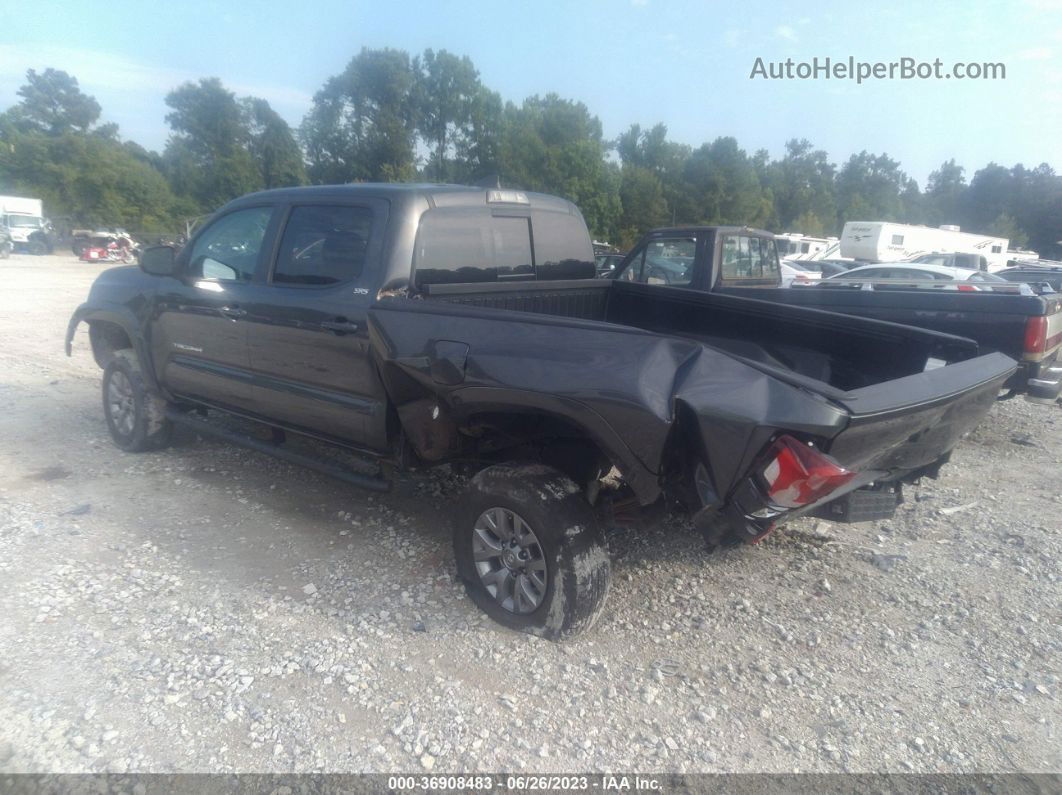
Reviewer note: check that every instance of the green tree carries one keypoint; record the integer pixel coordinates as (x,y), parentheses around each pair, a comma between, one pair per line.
(362,125)
(869,189)
(803,182)
(1006,226)
(445,95)
(650,149)
(52,103)
(643,203)
(478,152)
(93,179)
(944,194)
(273,146)
(810,224)
(555,145)
(723,185)
(207,157)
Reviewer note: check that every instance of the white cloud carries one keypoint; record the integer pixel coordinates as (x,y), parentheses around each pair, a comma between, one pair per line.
(785,32)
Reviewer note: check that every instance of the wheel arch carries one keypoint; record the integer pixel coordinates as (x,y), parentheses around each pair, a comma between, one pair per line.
(583,422)
(111,330)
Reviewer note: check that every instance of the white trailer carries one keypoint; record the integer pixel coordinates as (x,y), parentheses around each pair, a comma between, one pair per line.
(880,241)
(22,217)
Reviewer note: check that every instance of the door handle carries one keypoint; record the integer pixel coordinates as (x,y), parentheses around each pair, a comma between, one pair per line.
(339,326)
(233,312)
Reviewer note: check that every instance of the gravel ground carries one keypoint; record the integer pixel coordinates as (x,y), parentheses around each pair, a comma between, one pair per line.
(210,609)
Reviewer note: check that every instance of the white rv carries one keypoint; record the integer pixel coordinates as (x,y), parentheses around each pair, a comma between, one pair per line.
(879,241)
(793,245)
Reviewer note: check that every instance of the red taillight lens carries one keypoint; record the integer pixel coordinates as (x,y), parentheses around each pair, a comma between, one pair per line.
(799,475)
(1036,334)
(966,288)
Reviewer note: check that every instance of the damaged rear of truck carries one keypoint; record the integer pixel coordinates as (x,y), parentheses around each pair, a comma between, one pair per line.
(743,412)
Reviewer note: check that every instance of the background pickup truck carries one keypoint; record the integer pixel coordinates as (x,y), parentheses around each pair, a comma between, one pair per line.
(1025,327)
(429,324)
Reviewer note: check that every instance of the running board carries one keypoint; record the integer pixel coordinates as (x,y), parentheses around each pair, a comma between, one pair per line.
(274,449)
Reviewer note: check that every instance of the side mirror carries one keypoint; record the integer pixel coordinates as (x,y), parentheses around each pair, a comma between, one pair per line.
(159,260)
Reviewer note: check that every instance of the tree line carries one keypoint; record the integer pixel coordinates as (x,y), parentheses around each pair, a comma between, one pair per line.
(392,117)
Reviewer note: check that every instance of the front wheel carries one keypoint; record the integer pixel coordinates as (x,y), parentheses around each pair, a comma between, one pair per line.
(530,551)
(136,417)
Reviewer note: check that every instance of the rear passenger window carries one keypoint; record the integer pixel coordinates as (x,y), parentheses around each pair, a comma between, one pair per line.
(323,245)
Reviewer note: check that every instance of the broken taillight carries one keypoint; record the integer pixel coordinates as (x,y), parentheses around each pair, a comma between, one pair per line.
(797,474)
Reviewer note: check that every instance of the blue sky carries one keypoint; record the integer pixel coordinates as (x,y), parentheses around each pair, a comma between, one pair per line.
(685,64)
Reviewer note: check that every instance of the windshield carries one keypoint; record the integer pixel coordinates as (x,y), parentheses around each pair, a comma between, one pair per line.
(24,220)
(980,276)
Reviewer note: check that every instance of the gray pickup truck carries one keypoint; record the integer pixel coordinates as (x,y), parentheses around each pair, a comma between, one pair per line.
(418,325)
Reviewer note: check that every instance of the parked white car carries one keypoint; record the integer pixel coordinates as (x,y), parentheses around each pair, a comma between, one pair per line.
(797,273)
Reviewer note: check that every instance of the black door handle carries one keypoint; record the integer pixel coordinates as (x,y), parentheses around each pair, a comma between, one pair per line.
(339,326)
(233,312)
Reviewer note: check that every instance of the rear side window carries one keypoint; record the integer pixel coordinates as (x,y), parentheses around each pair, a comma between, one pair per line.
(323,245)
(455,246)
(746,258)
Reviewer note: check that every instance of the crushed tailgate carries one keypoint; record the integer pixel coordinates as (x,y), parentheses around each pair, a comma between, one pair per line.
(912,421)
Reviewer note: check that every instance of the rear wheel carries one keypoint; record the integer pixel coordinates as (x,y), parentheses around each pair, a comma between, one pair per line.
(530,551)
(136,417)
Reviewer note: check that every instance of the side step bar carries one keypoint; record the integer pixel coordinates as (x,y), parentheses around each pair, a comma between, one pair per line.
(274,449)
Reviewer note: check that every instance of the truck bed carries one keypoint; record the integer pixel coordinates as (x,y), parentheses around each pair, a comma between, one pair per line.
(833,353)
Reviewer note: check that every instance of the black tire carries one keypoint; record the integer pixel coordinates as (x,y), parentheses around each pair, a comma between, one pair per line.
(568,541)
(136,417)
